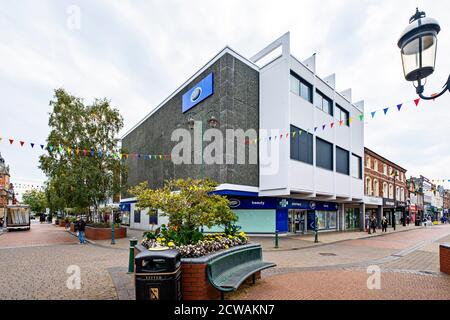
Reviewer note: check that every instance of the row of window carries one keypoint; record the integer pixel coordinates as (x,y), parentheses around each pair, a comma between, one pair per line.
(302,150)
(386,171)
(373,189)
(153,218)
(304,89)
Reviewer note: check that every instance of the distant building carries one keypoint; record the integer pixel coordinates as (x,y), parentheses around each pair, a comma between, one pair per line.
(6,188)
(414,200)
(384,188)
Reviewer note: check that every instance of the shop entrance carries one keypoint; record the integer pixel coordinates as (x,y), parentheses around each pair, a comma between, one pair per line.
(297,221)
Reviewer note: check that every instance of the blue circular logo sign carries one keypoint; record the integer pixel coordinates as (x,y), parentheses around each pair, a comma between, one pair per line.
(196,94)
(312,205)
(234,203)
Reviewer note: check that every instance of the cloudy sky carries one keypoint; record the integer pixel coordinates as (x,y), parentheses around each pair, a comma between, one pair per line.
(137,52)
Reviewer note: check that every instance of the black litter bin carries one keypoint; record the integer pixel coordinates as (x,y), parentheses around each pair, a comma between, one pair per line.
(158,275)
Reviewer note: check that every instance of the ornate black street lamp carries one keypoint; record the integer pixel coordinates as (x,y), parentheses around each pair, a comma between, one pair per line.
(418,44)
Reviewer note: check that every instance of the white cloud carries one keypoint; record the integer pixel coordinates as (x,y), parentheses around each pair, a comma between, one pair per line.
(137,52)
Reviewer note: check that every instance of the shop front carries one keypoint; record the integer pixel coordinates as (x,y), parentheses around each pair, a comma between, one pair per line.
(125,209)
(373,209)
(400,211)
(412,213)
(268,214)
(352,218)
(388,209)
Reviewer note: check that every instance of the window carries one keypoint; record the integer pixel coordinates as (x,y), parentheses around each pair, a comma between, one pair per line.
(301,87)
(402,194)
(342,161)
(391,191)
(368,186)
(385,169)
(323,103)
(367,162)
(153,217)
(375,165)
(324,154)
(385,190)
(342,115)
(301,145)
(376,190)
(397,193)
(137,216)
(356,166)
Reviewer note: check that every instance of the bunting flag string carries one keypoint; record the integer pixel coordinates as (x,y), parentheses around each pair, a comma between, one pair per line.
(282,137)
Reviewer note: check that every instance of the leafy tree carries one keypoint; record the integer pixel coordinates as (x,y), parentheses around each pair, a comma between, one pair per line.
(188,203)
(36,200)
(83,163)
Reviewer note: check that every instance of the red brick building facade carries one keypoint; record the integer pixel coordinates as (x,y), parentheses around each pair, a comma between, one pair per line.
(6,188)
(385,185)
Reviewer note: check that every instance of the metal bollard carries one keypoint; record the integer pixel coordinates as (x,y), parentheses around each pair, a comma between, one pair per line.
(276,239)
(133,243)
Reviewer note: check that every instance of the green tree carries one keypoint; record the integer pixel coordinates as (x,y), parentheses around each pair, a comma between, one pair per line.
(83,163)
(36,200)
(188,203)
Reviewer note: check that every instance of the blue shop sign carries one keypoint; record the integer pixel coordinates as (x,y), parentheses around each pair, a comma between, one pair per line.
(198,93)
(125,207)
(280,203)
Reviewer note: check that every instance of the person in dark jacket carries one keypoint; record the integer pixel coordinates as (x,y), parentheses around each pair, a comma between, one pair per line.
(373,223)
(384,224)
(81,227)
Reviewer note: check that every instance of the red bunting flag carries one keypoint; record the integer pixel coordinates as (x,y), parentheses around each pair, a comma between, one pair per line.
(332,124)
(11,141)
(341,122)
(416,101)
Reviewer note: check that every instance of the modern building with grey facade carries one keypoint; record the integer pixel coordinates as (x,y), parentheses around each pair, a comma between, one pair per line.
(302,142)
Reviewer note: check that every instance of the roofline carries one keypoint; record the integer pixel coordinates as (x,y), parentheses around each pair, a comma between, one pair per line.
(387,160)
(221,53)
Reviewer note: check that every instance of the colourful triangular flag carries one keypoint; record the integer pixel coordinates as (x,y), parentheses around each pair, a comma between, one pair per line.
(399,106)
(42,147)
(323,127)
(315,129)
(350,120)
(361,117)
(332,124)
(373,114)
(341,122)
(416,101)
(32,145)
(385,110)
(11,141)
(50,148)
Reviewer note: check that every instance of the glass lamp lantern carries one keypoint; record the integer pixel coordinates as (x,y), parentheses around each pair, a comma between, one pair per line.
(418,44)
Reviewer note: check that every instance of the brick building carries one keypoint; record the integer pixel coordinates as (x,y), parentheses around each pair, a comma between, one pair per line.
(6,187)
(384,187)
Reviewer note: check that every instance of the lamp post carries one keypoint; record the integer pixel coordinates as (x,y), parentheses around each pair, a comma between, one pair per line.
(113,228)
(418,44)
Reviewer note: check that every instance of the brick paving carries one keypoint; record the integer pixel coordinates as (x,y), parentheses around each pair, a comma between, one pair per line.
(39,270)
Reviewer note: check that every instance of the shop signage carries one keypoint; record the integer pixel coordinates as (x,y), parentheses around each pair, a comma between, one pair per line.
(125,207)
(198,93)
(413,208)
(277,203)
(401,204)
(388,202)
(373,200)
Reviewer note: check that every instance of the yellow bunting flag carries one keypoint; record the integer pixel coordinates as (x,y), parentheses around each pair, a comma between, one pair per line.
(350,120)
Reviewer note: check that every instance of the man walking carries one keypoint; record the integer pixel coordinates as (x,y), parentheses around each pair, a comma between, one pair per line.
(81,226)
(374,224)
(1,224)
(384,224)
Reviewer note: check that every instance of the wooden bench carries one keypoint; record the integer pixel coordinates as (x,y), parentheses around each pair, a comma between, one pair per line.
(227,272)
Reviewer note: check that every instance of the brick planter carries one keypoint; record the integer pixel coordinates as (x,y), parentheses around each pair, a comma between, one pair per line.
(72,227)
(104,233)
(195,284)
(444,257)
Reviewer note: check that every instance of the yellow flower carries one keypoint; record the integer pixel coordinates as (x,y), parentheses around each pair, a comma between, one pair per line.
(163,239)
(226,247)
(242,234)
(170,244)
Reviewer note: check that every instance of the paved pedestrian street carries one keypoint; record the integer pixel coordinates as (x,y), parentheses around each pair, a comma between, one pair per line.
(34,265)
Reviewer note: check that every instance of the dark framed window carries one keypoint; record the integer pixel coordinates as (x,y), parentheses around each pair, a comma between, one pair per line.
(301,87)
(342,114)
(356,166)
(153,217)
(342,161)
(137,216)
(301,145)
(324,103)
(324,154)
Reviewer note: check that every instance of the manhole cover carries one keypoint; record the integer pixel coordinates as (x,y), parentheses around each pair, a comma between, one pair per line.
(426,272)
(327,254)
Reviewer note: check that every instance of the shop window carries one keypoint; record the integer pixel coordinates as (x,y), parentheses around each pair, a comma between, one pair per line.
(356,166)
(301,145)
(326,219)
(137,216)
(342,161)
(324,154)
(324,103)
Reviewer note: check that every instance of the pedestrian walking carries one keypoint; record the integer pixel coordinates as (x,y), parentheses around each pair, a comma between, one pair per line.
(81,226)
(407,220)
(2,223)
(384,224)
(374,224)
